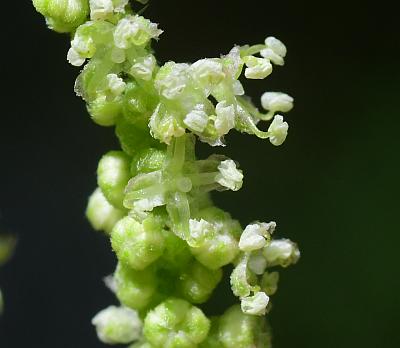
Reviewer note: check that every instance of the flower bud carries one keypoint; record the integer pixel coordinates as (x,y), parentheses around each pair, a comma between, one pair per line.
(137,245)
(101,214)
(113,175)
(117,325)
(197,283)
(63,15)
(134,289)
(176,323)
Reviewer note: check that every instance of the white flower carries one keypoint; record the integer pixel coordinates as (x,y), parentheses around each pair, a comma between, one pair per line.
(172,79)
(278,130)
(277,101)
(82,47)
(225,120)
(257,68)
(255,305)
(255,236)
(117,325)
(143,67)
(196,120)
(281,252)
(207,72)
(229,176)
(275,51)
(74,58)
(116,85)
(134,30)
(276,45)
(199,229)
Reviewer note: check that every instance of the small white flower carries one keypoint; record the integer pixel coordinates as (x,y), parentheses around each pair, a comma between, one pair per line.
(255,236)
(278,130)
(281,252)
(275,51)
(115,84)
(196,120)
(229,176)
(207,72)
(199,229)
(74,58)
(134,30)
(143,67)
(277,101)
(276,45)
(257,68)
(117,325)
(255,305)
(172,79)
(225,120)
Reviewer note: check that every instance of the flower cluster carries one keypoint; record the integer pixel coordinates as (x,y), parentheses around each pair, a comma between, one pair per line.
(153,197)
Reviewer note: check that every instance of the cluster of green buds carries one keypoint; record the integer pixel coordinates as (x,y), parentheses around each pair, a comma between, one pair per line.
(153,197)
(7,245)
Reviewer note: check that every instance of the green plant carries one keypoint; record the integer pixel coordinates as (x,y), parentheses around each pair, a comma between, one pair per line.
(153,199)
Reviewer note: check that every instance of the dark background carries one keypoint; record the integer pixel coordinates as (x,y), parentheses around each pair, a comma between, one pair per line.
(332,187)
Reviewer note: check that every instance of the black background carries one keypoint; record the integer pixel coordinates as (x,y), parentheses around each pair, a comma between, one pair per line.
(332,187)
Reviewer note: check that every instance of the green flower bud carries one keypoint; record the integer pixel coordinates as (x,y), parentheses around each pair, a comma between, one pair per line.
(101,214)
(238,330)
(212,340)
(117,325)
(113,175)
(148,160)
(240,278)
(216,237)
(176,323)
(63,15)
(197,283)
(104,112)
(138,244)
(176,255)
(134,289)
(133,137)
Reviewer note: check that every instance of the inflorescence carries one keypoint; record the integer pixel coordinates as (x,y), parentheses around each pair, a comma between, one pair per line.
(153,199)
